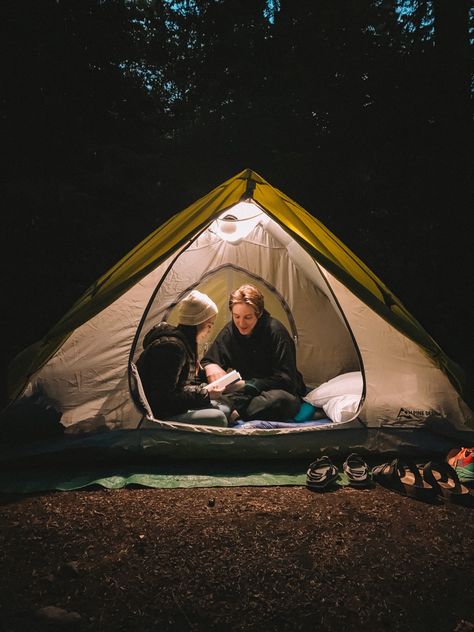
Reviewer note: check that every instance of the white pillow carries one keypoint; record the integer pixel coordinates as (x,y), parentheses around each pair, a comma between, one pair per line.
(338,397)
(341,408)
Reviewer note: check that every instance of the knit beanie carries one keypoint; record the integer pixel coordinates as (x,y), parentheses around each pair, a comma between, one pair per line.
(196,308)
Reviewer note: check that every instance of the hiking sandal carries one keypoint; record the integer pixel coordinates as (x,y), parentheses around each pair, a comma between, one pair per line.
(446,483)
(321,474)
(404,478)
(356,470)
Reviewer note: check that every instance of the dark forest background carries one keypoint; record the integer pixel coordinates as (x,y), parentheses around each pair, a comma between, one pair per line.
(117,114)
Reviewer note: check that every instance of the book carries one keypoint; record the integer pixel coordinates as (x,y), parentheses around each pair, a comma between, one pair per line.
(225,380)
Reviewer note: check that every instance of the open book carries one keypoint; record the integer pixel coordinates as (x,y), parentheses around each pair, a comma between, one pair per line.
(225,380)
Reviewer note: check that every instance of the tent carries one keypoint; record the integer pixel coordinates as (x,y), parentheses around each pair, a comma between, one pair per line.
(344,320)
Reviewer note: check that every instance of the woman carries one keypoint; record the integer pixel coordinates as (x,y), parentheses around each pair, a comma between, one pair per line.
(261,349)
(169,367)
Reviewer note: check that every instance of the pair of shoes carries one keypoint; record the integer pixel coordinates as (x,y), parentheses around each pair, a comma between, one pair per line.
(321,474)
(405,478)
(357,471)
(463,462)
(431,483)
(446,484)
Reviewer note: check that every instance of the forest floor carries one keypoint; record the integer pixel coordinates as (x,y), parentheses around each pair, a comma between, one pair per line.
(251,559)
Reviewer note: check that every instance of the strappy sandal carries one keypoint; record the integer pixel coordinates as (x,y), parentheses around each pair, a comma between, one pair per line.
(445,481)
(321,474)
(357,471)
(404,478)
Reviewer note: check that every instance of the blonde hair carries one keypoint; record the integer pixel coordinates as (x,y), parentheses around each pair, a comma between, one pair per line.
(249,295)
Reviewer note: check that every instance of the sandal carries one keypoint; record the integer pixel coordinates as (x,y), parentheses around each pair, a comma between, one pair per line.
(404,478)
(356,470)
(446,483)
(321,474)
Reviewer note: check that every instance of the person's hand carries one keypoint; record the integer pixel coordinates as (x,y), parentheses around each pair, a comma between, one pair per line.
(216,392)
(213,372)
(233,418)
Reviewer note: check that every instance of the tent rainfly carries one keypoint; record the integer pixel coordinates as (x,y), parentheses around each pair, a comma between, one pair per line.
(344,320)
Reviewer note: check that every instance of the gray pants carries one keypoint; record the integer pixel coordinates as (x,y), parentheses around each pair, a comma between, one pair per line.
(274,405)
(202,417)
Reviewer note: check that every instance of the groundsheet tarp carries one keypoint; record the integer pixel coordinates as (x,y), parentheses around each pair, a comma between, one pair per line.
(35,480)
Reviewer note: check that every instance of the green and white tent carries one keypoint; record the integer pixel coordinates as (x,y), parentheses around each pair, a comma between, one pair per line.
(343,318)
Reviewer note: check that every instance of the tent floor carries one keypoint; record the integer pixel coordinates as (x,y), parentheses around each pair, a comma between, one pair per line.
(155,446)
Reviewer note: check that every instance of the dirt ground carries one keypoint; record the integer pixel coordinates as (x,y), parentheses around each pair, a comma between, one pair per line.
(251,559)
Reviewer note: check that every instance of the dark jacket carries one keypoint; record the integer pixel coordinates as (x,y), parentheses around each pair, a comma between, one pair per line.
(167,371)
(266,359)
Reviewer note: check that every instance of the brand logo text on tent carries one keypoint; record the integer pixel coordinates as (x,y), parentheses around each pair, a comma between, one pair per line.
(410,413)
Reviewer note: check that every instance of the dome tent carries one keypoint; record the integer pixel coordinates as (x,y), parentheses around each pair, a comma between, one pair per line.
(343,319)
